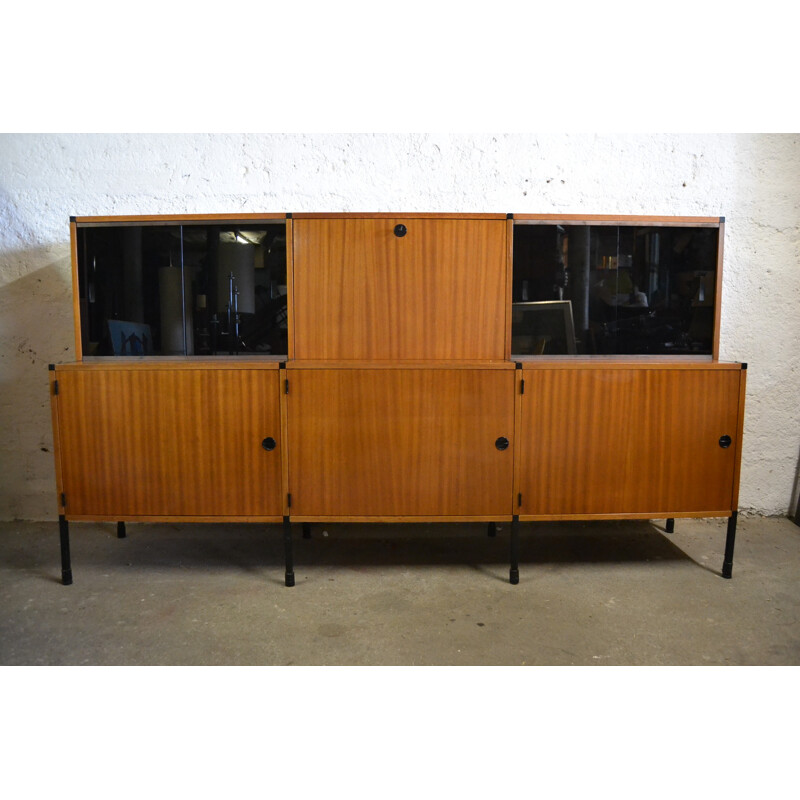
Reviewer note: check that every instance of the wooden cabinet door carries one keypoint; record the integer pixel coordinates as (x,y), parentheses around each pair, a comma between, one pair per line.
(170,443)
(400,442)
(438,292)
(617,441)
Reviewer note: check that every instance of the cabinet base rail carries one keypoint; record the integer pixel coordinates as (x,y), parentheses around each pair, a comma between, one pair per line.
(289,578)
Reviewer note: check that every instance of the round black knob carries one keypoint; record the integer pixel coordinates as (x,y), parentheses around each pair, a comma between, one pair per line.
(724,441)
(268,443)
(501,443)
(400,230)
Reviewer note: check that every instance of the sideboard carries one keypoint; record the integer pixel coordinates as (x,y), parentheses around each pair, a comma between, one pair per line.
(302,368)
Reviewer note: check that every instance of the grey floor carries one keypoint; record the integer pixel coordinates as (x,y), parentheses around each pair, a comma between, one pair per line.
(620,593)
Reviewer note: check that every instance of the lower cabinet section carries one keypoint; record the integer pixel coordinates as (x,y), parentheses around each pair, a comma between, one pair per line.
(628,441)
(394,442)
(265,441)
(157,442)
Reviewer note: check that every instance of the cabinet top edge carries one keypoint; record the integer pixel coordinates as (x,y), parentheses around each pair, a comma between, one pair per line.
(282,216)
(625,362)
(618,219)
(397,215)
(444,364)
(174,362)
(169,219)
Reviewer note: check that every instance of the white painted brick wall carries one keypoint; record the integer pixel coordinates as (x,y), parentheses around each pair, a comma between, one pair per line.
(752,180)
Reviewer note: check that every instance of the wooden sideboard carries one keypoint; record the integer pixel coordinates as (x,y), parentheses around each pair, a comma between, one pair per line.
(359,367)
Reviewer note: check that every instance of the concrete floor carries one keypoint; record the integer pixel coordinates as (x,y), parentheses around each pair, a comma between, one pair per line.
(621,593)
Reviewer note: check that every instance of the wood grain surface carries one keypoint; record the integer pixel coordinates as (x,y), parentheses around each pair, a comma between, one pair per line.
(627,441)
(360,292)
(400,443)
(157,443)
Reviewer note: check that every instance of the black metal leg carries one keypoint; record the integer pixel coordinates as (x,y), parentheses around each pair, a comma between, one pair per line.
(306,530)
(121,530)
(513,574)
(66,564)
(727,564)
(670,528)
(492,529)
(287,544)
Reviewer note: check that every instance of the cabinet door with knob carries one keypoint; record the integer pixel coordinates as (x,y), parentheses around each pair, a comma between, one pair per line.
(181,441)
(620,439)
(400,288)
(430,442)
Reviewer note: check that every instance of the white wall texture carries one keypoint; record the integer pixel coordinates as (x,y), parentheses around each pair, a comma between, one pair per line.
(753,180)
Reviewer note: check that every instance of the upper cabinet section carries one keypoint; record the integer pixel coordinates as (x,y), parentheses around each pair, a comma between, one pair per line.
(598,287)
(400,287)
(397,287)
(182,287)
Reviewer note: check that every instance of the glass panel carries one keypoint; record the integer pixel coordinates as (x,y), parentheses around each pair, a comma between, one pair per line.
(183,290)
(237,280)
(605,289)
(124,273)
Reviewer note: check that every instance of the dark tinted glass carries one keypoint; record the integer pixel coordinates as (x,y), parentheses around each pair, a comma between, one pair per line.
(183,290)
(608,289)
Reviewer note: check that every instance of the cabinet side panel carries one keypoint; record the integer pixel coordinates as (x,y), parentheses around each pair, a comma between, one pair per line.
(739,440)
(56,440)
(76,298)
(290,287)
(509,285)
(437,292)
(627,441)
(718,292)
(392,443)
(160,443)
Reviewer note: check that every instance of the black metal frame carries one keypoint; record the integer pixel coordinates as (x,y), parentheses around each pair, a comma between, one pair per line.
(289,580)
(513,573)
(730,539)
(66,562)
(287,548)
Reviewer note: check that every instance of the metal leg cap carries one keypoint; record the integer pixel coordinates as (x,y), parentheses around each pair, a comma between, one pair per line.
(66,578)
(290,578)
(727,571)
(513,576)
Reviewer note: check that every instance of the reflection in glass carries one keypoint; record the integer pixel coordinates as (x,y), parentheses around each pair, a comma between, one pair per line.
(183,289)
(629,289)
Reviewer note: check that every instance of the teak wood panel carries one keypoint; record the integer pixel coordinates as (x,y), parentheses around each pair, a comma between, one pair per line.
(400,443)
(360,292)
(138,443)
(627,441)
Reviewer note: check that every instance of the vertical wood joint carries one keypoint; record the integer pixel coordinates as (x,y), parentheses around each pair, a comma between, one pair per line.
(289,500)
